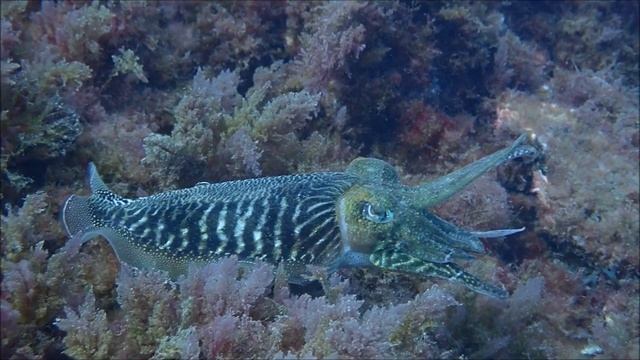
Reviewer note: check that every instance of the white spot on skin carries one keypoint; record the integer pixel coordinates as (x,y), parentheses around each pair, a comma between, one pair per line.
(168,243)
(311,219)
(237,234)
(296,212)
(138,223)
(204,229)
(184,244)
(278,229)
(257,239)
(257,234)
(344,227)
(241,224)
(220,230)
(159,233)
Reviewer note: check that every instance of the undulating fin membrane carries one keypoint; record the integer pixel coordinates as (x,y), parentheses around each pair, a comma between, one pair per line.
(76,214)
(78,218)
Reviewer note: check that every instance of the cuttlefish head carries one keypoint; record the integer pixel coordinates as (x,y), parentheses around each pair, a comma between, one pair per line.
(387,225)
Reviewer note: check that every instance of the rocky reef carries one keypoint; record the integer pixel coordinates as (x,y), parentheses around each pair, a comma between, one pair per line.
(162,95)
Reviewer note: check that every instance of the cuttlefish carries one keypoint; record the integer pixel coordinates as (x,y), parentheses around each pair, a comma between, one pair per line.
(362,217)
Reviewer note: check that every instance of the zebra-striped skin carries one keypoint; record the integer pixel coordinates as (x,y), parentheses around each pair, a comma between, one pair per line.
(360,217)
(290,218)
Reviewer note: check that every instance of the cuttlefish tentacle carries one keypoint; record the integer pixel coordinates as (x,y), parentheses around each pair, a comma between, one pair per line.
(496,233)
(360,217)
(417,241)
(441,189)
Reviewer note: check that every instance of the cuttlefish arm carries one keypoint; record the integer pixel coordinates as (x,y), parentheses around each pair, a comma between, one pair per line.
(406,263)
(388,225)
(360,217)
(441,189)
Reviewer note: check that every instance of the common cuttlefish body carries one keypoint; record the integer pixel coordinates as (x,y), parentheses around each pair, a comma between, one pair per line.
(357,218)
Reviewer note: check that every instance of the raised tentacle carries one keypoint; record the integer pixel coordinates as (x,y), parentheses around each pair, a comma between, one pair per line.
(439,190)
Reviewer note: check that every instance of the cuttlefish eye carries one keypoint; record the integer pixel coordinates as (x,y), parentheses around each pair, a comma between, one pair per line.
(376,214)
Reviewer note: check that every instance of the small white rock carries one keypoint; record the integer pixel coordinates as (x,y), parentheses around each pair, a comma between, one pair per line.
(591,350)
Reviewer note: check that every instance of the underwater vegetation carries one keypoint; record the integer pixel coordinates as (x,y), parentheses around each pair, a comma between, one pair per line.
(162,95)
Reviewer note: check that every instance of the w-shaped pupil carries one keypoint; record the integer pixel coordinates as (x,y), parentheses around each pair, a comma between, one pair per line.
(377,214)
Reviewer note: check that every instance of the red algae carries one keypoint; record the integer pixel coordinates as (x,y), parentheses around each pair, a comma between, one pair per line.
(166,95)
